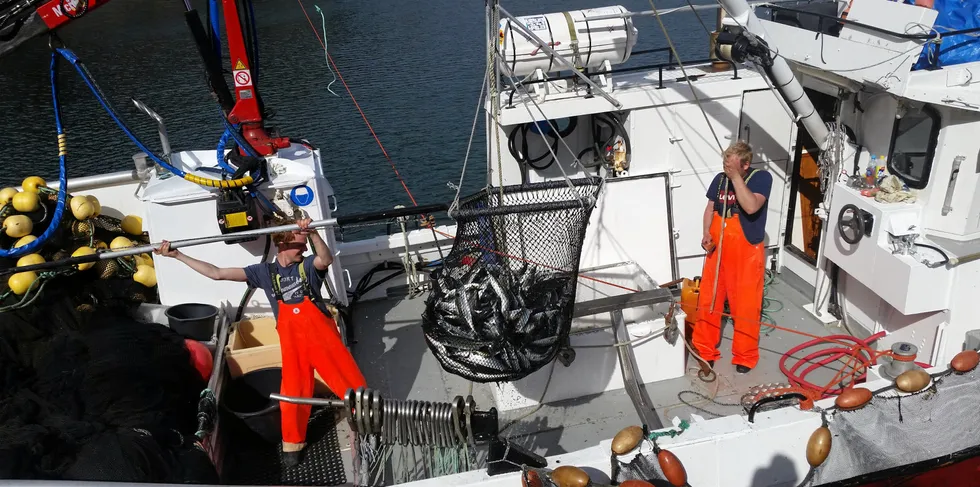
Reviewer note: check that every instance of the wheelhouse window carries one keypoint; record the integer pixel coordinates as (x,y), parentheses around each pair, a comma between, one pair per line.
(913,145)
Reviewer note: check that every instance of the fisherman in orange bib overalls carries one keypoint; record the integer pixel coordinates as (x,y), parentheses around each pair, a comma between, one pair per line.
(739,197)
(308,337)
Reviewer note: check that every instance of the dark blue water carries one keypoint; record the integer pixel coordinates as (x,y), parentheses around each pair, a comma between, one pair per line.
(414,67)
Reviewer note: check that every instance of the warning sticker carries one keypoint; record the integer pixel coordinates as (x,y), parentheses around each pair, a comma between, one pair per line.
(242,78)
(240,65)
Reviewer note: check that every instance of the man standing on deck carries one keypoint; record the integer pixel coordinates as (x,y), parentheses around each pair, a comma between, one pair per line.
(739,198)
(309,338)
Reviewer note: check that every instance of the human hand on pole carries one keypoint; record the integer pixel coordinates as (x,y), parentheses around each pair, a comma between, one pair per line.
(304,226)
(165,250)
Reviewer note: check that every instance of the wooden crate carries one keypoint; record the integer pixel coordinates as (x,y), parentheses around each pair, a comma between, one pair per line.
(254,345)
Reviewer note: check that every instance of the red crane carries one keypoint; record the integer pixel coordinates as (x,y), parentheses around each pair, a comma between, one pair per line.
(243,109)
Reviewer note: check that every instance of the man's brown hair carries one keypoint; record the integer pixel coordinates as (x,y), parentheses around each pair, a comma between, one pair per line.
(740,149)
(282,237)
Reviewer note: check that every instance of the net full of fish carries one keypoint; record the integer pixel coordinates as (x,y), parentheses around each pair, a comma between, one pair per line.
(495,323)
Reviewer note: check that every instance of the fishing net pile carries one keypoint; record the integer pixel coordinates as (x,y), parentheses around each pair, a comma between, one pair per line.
(84,229)
(501,305)
(935,426)
(96,396)
(86,391)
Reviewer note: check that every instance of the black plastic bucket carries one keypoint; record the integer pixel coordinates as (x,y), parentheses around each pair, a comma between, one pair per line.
(193,320)
(247,397)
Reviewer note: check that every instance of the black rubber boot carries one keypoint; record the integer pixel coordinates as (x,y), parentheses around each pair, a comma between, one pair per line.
(741,369)
(292,458)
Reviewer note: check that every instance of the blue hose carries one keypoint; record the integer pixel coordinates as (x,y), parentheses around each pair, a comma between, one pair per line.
(233,130)
(73,59)
(220,152)
(59,209)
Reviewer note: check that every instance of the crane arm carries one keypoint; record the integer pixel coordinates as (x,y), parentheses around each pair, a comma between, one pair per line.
(25,20)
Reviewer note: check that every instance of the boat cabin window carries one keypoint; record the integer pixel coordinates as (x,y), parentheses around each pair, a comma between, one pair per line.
(913,145)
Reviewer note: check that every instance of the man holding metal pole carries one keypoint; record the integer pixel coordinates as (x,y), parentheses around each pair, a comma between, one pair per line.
(734,234)
(309,338)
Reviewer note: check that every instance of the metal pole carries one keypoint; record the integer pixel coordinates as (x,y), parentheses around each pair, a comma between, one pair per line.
(190,242)
(311,401)
(561,60)
(161,126)
(676,9)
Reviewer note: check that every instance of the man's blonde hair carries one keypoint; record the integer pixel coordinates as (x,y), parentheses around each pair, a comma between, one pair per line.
(740,149)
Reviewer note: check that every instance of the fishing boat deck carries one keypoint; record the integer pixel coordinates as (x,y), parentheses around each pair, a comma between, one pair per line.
(388,344)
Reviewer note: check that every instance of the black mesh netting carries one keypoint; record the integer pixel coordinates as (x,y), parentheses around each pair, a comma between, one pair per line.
(890,432)
(86,391)
(96,396)
(501,305)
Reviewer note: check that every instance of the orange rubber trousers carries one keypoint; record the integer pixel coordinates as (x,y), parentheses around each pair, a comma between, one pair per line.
(740,279)
(310,341)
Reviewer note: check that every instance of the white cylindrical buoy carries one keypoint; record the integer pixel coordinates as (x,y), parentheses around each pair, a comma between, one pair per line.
(584,43)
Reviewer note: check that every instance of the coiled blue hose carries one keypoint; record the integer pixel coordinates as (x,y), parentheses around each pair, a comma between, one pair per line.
(73,59)
(59,210)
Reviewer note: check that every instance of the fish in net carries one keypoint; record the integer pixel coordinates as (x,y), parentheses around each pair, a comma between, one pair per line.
(501,304)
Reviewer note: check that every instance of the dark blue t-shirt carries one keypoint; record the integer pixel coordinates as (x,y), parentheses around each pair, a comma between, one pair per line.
(292,289)
(758,181)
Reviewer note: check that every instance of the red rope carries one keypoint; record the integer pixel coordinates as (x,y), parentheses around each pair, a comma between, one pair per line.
(363,116)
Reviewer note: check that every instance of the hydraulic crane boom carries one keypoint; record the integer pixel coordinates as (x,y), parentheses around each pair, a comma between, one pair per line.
(246,110)
(22,21)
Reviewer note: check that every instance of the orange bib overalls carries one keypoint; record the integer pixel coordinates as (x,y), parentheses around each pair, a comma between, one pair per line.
(740,279)
(309,340)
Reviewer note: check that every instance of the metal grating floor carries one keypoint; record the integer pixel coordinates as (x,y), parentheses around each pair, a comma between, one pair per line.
(255,462)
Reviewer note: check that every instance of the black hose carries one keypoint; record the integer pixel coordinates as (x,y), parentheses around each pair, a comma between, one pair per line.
(937,249)
(521,156)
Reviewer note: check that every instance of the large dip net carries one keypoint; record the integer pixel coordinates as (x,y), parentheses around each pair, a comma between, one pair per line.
(895,436)
(501,304)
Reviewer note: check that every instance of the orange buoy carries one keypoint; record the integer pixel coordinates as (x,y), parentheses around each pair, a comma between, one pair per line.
(531,479)
(636,483)
(569,476)
(853,398)
(672,468)
(965,361)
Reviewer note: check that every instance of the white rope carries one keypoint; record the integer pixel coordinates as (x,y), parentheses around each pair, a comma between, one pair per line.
(469,144)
